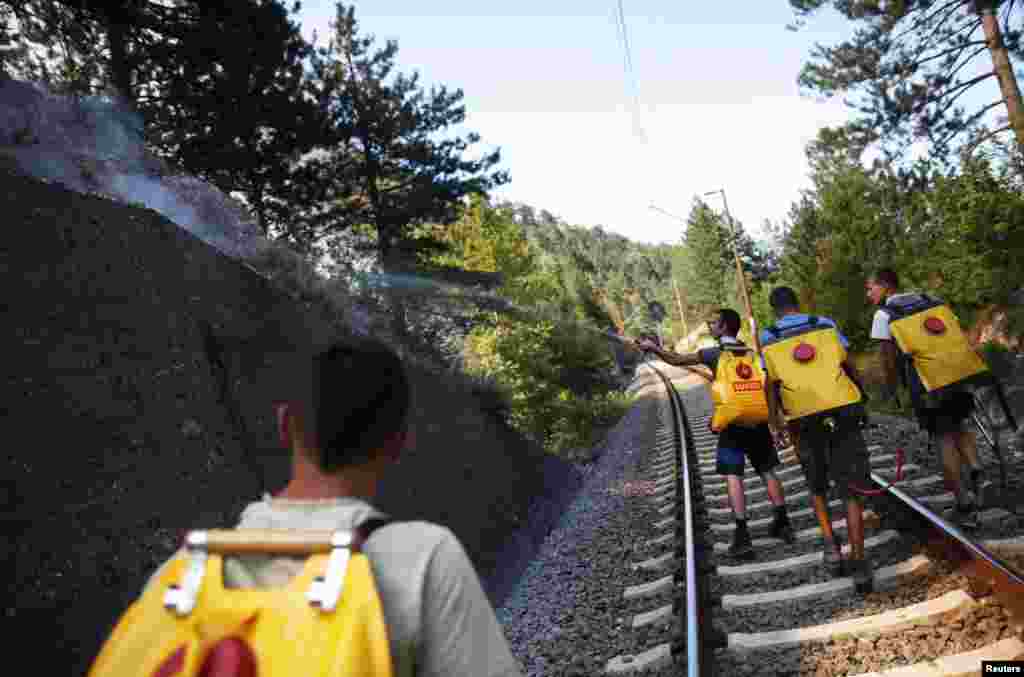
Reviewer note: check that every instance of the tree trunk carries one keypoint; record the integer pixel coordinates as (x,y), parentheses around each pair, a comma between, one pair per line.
(679,302)
(255,196)
(120,66)
(386,245)
(1004,69)
(389,263)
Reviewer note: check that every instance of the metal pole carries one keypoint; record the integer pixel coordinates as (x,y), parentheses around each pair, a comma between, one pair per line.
(679,302)
(739,271)
(774,424)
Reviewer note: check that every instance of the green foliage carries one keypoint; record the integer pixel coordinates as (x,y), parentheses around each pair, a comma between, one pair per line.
(582,422)
(239,115)
(975,237)
(907,68)
(710,272)
(556,374)
(602,277)
(957,234)
(759,301)
(400,165)
(708,266)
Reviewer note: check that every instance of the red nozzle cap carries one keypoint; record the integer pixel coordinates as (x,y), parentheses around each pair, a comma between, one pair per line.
(231,657)
(804,352)
(934,325)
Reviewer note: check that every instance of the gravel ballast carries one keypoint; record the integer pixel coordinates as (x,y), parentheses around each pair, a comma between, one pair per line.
(561,617)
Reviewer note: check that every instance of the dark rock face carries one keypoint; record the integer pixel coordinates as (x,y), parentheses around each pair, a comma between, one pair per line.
(140,369)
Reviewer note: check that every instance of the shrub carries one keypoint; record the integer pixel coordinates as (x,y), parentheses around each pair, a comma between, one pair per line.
(557,379)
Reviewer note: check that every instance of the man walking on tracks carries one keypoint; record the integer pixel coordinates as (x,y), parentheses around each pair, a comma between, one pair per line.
(813,386)
(738,442)
(941,414)
(345,424)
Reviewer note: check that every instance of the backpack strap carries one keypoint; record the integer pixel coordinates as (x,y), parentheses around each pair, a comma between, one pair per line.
(366,529)
(736,348)
(812,320)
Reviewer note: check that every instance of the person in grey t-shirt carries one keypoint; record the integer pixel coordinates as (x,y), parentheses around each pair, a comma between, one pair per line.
(345,422)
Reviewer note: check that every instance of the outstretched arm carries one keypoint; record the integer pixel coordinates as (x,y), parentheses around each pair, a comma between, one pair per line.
(687,360)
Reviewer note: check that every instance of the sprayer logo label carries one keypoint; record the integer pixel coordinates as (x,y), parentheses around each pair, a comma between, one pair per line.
(743,370)
(747,386)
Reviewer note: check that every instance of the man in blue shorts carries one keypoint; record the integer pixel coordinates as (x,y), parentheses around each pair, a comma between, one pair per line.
(738,443)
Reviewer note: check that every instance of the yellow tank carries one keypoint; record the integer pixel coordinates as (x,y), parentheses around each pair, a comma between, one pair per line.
(937,347)
(809,367)
(254,632)
(738,390)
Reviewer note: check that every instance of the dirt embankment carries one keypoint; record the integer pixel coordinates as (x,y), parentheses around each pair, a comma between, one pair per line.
(141,365)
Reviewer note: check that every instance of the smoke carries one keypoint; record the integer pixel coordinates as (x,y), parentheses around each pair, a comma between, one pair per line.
(95,145)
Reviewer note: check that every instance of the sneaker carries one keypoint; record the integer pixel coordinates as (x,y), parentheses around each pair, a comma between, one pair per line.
(863,576)
(741,544)
(833,557)
(783,530)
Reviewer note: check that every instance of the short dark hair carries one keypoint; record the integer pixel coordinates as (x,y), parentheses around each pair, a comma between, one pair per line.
(783,298)
(360,397)
(887,277)
(731,319)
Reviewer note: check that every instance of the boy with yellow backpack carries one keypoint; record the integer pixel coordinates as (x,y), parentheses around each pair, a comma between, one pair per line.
(813,391)
(741,421)
(924,348)
(316,581)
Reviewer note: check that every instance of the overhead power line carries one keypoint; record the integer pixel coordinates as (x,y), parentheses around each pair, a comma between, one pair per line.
(631,81)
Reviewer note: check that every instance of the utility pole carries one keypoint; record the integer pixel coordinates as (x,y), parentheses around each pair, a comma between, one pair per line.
(679,302)
(775,422)
(986,9)
(739,271)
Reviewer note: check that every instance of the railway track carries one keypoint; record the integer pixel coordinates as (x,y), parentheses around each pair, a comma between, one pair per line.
(942,603)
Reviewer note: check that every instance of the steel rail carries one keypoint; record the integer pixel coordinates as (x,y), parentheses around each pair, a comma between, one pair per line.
(1008,583)
(693,639)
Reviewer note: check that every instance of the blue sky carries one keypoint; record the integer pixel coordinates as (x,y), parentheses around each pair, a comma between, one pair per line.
(719,103)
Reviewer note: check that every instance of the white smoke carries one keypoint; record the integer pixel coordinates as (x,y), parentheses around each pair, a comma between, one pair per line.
(94,145)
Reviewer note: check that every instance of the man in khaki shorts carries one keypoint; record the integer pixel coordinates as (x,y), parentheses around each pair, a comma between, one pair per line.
(944,420)
(830,449)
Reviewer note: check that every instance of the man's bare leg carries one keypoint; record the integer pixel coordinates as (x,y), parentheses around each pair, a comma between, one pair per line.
(821,511)
(967,442)
(951,465)
(775,493)
(737,496)
(855,527)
